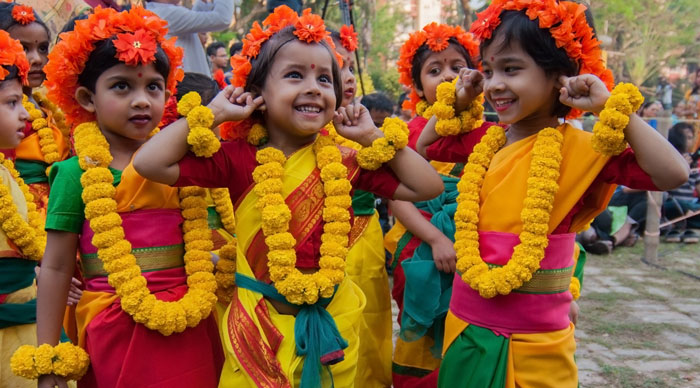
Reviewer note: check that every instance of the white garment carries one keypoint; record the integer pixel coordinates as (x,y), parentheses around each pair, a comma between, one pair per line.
(185,23)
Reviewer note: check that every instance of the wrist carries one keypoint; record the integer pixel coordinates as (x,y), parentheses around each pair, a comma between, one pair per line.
(368,139)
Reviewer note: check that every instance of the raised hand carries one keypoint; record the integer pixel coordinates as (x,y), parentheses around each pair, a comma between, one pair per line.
(585,92)
(234,105)
(353,122)
(469,85)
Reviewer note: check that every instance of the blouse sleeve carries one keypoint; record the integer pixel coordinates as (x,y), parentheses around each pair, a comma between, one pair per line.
(65,211)
(624,170)
(456,149)
(216,171)
(382,182)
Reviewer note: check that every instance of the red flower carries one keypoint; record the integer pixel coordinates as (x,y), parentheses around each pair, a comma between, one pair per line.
(137,48)
(254,40)
(23,14)
(348,37)
(310,27)
(241,67)
(486,22)
(12,54)
(438,36)
(283,16)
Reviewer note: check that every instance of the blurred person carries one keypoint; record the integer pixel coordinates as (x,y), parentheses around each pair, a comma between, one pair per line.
(185,24)
(379,105)
(650,111)
(664,93)
(684,199)
(218,57)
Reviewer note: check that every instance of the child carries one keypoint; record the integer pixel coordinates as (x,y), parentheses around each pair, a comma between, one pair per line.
(527,191)
(365,263)
(20,245)
(144,317)
(290,323)
(421,240)
(45,142)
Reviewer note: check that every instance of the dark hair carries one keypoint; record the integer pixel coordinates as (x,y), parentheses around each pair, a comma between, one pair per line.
(235,48)
(13,74)
(335,35)
(696,87)
(263,62)
(378,101)
(538,43)
(7,21)
(200,83)
(214,47)
(103,57)
(424,52)
(676,136)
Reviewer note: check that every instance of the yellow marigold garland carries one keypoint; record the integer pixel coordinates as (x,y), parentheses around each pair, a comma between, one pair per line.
(226,266)
(58,117)
(299,288)
(64,359)
(115,251)
(575,287)
(384,148)
(200,119)
(29,236)
(541,188)
(48,145)
(339,139)
(608,132)
(448,124)
(257,135)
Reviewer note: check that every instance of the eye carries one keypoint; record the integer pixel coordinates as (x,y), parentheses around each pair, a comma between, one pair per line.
(434,71)
(12,102)
(293,74)
(352,69)
(44,48)
(326,78)
(120,86)
(511,69)
(155,86)
(487,73)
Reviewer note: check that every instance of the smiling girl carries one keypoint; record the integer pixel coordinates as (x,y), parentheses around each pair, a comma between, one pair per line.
(530,187)
(148,294)
(294,316)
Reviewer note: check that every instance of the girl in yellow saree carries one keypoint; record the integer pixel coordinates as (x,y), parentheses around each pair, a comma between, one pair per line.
(293,316)
(527,190)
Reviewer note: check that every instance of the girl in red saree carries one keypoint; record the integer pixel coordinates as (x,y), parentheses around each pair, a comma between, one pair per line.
(528,189)
(293,317)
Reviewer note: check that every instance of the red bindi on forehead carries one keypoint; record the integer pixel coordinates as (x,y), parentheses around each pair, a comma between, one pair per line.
(313,66)
(139,75)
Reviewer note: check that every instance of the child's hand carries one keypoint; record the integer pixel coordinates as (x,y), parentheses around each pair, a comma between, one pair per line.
(585,92)
(353,122)
(469,85)
(74,293)
(573,312)
(234,105)
(444,255)
(51,381)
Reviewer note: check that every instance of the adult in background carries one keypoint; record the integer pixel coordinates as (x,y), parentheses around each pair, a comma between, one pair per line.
(380,107)
(184,23)
(218,57)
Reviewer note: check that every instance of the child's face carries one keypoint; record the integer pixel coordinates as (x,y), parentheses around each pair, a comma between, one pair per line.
(298,92)
(128,100)
(35,41)
(13,116)
(439,67)
(515,86)
(378,116)
(348,74)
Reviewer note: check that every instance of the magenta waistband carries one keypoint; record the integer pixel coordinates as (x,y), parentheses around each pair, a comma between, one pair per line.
(143,228)
(516,312)
(157,281)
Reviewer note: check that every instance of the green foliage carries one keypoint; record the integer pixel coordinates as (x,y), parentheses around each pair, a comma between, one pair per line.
(387,81)
(224,36)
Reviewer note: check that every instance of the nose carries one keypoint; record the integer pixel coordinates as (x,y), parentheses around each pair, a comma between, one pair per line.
(23,114)
(312,86)
(494,84)
(33,57)
(140,100)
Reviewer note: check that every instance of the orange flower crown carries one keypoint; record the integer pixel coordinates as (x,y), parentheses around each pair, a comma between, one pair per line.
(23,14)
(12,54)
(566,22)
(308,28)
(348,37)
(436,37)
(136,35)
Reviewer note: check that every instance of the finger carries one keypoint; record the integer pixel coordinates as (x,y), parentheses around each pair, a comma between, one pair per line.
(350,110)
(76,282)
(580,87)
(564,97)
(337,119)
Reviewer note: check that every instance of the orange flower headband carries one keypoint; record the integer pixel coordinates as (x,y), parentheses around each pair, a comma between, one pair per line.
(138,33)
(23,14)
(308,28)
(348,37)
(12,54)
(436,37)
(565,20)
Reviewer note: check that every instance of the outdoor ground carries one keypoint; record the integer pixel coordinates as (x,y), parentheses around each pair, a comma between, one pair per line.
(639,325)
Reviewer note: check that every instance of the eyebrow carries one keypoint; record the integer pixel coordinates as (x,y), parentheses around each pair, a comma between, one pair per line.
(296,66)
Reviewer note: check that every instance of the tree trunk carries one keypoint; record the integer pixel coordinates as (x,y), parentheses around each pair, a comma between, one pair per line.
(467,14)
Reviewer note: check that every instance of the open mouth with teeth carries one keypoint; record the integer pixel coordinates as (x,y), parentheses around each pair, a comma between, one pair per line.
(309,109)
(502,104)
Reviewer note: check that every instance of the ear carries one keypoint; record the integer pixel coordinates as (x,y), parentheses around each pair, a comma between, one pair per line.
(167,95)
(418,90)
(84,97)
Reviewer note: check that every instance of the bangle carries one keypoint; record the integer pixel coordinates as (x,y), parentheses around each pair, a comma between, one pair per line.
(384,148)
(201,139)
(608,133)
(64,359)
(448,123)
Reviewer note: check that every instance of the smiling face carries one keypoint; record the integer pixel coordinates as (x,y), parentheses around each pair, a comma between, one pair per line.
(128,101)
(35,41)
(437,68)
(516,87)
(298,91)
(13,116)
(348,74)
